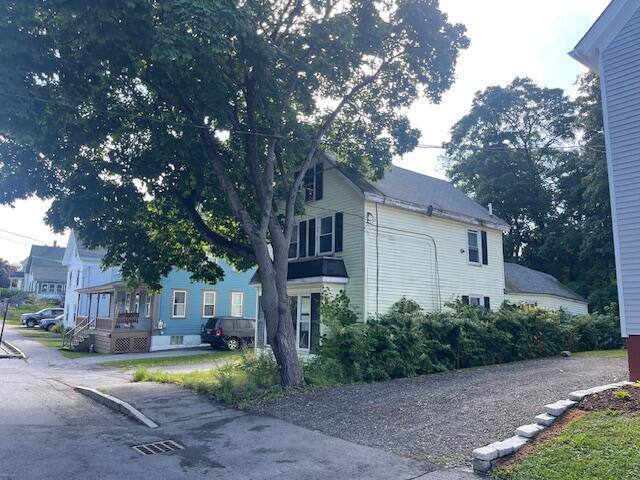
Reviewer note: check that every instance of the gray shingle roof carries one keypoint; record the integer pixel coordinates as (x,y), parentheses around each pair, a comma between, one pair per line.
(520,279)
(423,191)
(45,264)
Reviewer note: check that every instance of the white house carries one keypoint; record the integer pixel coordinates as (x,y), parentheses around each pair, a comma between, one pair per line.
(407,235)
(531,287)
(82,270)
(611,47)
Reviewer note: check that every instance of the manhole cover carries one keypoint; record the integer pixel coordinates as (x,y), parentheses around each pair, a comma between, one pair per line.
(163,446)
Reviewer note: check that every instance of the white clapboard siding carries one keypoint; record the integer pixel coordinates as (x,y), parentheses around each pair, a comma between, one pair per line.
(341,196)
(550,302)
(620,76)
(405,264)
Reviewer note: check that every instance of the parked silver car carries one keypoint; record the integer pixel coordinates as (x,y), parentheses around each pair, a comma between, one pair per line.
(33,319)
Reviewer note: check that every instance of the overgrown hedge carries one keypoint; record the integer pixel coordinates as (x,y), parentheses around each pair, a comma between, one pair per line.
(407,341)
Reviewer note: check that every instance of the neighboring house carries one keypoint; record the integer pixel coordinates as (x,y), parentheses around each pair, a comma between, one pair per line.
(611,48)
(16,279)
(531,287)
(44,274)
(83,270)
(407,235)
(116,319)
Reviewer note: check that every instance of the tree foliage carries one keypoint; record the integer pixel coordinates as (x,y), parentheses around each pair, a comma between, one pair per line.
(504,150)
(508,151)
(5,270)
(172,132)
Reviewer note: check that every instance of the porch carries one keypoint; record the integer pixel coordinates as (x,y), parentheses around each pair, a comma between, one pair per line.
(113,319)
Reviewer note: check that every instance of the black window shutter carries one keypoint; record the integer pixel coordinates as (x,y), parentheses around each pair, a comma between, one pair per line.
(487,303)
(338,233)
(302,245)
(319,181)
(315,322)
(485,255)
(312,237)
(465,299)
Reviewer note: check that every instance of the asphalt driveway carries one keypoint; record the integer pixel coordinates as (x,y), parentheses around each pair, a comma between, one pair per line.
(441,418)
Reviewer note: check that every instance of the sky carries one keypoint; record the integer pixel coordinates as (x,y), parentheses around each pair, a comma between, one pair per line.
(509,38)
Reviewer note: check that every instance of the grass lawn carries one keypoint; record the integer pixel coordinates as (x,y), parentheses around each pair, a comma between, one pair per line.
(599,446)
(37,333)
(619,353)
(240,383)
(169,361)
(57,343)
(13,321)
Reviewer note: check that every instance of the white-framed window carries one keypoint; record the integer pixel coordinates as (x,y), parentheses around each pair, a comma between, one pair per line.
(473,246)
(179,304)
(475,300)
(208,303)
(325,234)
(136,303)
(147,304)
(295,242)
(127,302)
(176,340)
(237,304)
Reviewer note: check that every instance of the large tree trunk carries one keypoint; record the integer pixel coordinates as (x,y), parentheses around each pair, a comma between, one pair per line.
(279,323)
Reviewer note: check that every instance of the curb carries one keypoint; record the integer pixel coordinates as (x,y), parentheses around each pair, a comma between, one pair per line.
(17,353)
(484,458)
(117,405)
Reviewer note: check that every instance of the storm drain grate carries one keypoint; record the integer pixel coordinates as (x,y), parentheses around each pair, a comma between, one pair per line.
(164,446)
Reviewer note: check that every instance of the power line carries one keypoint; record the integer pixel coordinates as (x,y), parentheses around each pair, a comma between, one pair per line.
(288,137)
(21,235)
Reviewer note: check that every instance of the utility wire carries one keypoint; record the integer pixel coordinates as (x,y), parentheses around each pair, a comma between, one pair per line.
(21,235)
(288,137)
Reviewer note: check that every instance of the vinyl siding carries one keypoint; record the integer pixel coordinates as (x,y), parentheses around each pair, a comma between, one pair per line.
(550,302)
(620,75)
(425,259)
(341,196)
(190,325)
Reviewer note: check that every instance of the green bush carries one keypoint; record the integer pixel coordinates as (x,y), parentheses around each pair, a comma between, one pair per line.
(406,341)
(9,292)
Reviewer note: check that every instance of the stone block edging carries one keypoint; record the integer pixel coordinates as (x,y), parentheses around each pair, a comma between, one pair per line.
(484,458)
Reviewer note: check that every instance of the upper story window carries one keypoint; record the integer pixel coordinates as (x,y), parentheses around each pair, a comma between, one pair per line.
(317,236)
(473,246)
(179,304)
(237,304)
(325,235)
(295,242)
(313,183)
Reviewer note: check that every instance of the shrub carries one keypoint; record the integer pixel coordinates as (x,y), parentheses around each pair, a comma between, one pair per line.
(406,341)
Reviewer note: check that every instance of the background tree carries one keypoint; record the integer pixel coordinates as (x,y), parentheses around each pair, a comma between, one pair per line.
(503,151)
(171,132)
(5,270)
(557,200)
(581,234)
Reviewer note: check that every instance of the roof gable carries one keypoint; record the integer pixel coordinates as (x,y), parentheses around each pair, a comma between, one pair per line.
(603,31)
(45,264)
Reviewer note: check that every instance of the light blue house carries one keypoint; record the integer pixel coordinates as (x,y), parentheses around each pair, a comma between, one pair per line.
(115,319)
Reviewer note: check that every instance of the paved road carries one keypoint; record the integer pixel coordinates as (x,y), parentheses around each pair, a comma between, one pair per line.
(442,418)
(48,431)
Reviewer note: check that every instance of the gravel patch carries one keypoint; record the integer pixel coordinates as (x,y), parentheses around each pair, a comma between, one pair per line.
(441,418)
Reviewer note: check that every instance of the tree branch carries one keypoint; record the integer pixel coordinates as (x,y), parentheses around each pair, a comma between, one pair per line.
(209,235)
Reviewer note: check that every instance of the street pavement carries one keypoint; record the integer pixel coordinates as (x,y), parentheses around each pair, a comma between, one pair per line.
(49,431)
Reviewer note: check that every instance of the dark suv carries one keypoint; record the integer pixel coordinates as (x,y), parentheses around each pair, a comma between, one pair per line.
(33,319)
(229,332)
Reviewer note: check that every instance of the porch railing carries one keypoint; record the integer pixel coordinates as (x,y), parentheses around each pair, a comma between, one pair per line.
(126,320)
